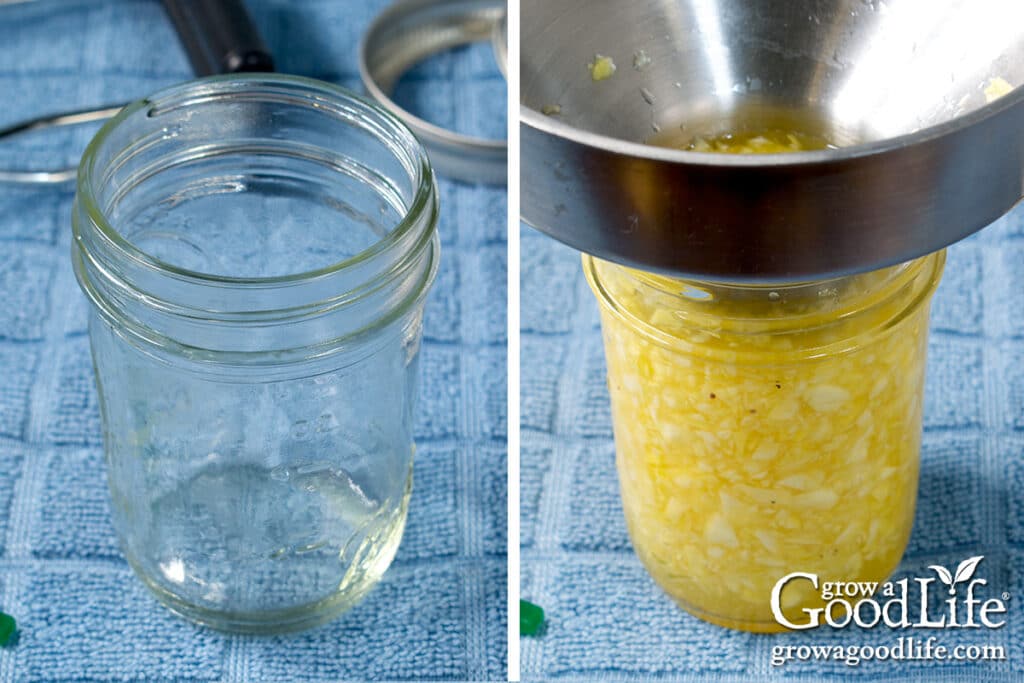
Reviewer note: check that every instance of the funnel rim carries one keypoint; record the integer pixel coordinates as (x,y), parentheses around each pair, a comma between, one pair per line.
(552,126)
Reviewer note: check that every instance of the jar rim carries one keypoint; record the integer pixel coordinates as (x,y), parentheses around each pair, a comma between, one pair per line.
(206,88)
(921,275)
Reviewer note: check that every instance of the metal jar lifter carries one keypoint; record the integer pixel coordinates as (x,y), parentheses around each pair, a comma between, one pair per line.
(220,37)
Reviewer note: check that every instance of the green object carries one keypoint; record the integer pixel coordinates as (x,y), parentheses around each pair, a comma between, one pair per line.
(8,626)
(531,618)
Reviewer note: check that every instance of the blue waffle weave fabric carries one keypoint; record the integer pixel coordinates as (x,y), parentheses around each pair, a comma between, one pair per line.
(607,620)
(440,612)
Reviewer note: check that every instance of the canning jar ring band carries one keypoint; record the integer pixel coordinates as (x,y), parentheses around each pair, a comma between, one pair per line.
(407,33)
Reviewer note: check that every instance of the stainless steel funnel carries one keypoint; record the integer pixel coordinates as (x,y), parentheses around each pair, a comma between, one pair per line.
(924,96)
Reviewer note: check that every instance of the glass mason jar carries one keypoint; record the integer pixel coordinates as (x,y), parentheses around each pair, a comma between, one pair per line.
(256,250)
(766,429)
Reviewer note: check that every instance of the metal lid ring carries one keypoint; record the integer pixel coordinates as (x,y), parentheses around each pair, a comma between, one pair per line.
(406,34)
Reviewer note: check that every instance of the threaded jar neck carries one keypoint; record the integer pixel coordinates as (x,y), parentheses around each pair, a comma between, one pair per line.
(745,321)
(217,212)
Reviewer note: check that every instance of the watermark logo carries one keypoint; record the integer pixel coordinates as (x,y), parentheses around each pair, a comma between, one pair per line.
(964,571)
(867,603)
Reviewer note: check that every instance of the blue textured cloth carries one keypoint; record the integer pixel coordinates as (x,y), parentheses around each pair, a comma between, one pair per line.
(440,612)
(607,619)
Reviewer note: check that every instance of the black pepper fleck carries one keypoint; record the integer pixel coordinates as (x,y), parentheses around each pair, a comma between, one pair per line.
(712,394)
(778,386)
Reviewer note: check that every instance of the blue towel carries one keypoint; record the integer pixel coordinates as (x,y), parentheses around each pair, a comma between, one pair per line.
(607,620)
(440,611)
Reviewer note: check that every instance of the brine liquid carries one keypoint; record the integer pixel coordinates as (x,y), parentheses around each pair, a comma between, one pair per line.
(755,141)
(267,540)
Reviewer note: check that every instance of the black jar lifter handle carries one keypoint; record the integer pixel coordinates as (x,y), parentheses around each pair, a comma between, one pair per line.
(219,36)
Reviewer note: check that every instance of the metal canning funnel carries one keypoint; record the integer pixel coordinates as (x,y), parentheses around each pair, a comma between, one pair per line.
(923,97)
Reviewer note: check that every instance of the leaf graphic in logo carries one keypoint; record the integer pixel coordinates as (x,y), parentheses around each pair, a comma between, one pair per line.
(944,576)
(966,569)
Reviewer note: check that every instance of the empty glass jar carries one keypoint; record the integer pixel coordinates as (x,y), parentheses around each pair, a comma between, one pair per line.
(257,250)
(766,429)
